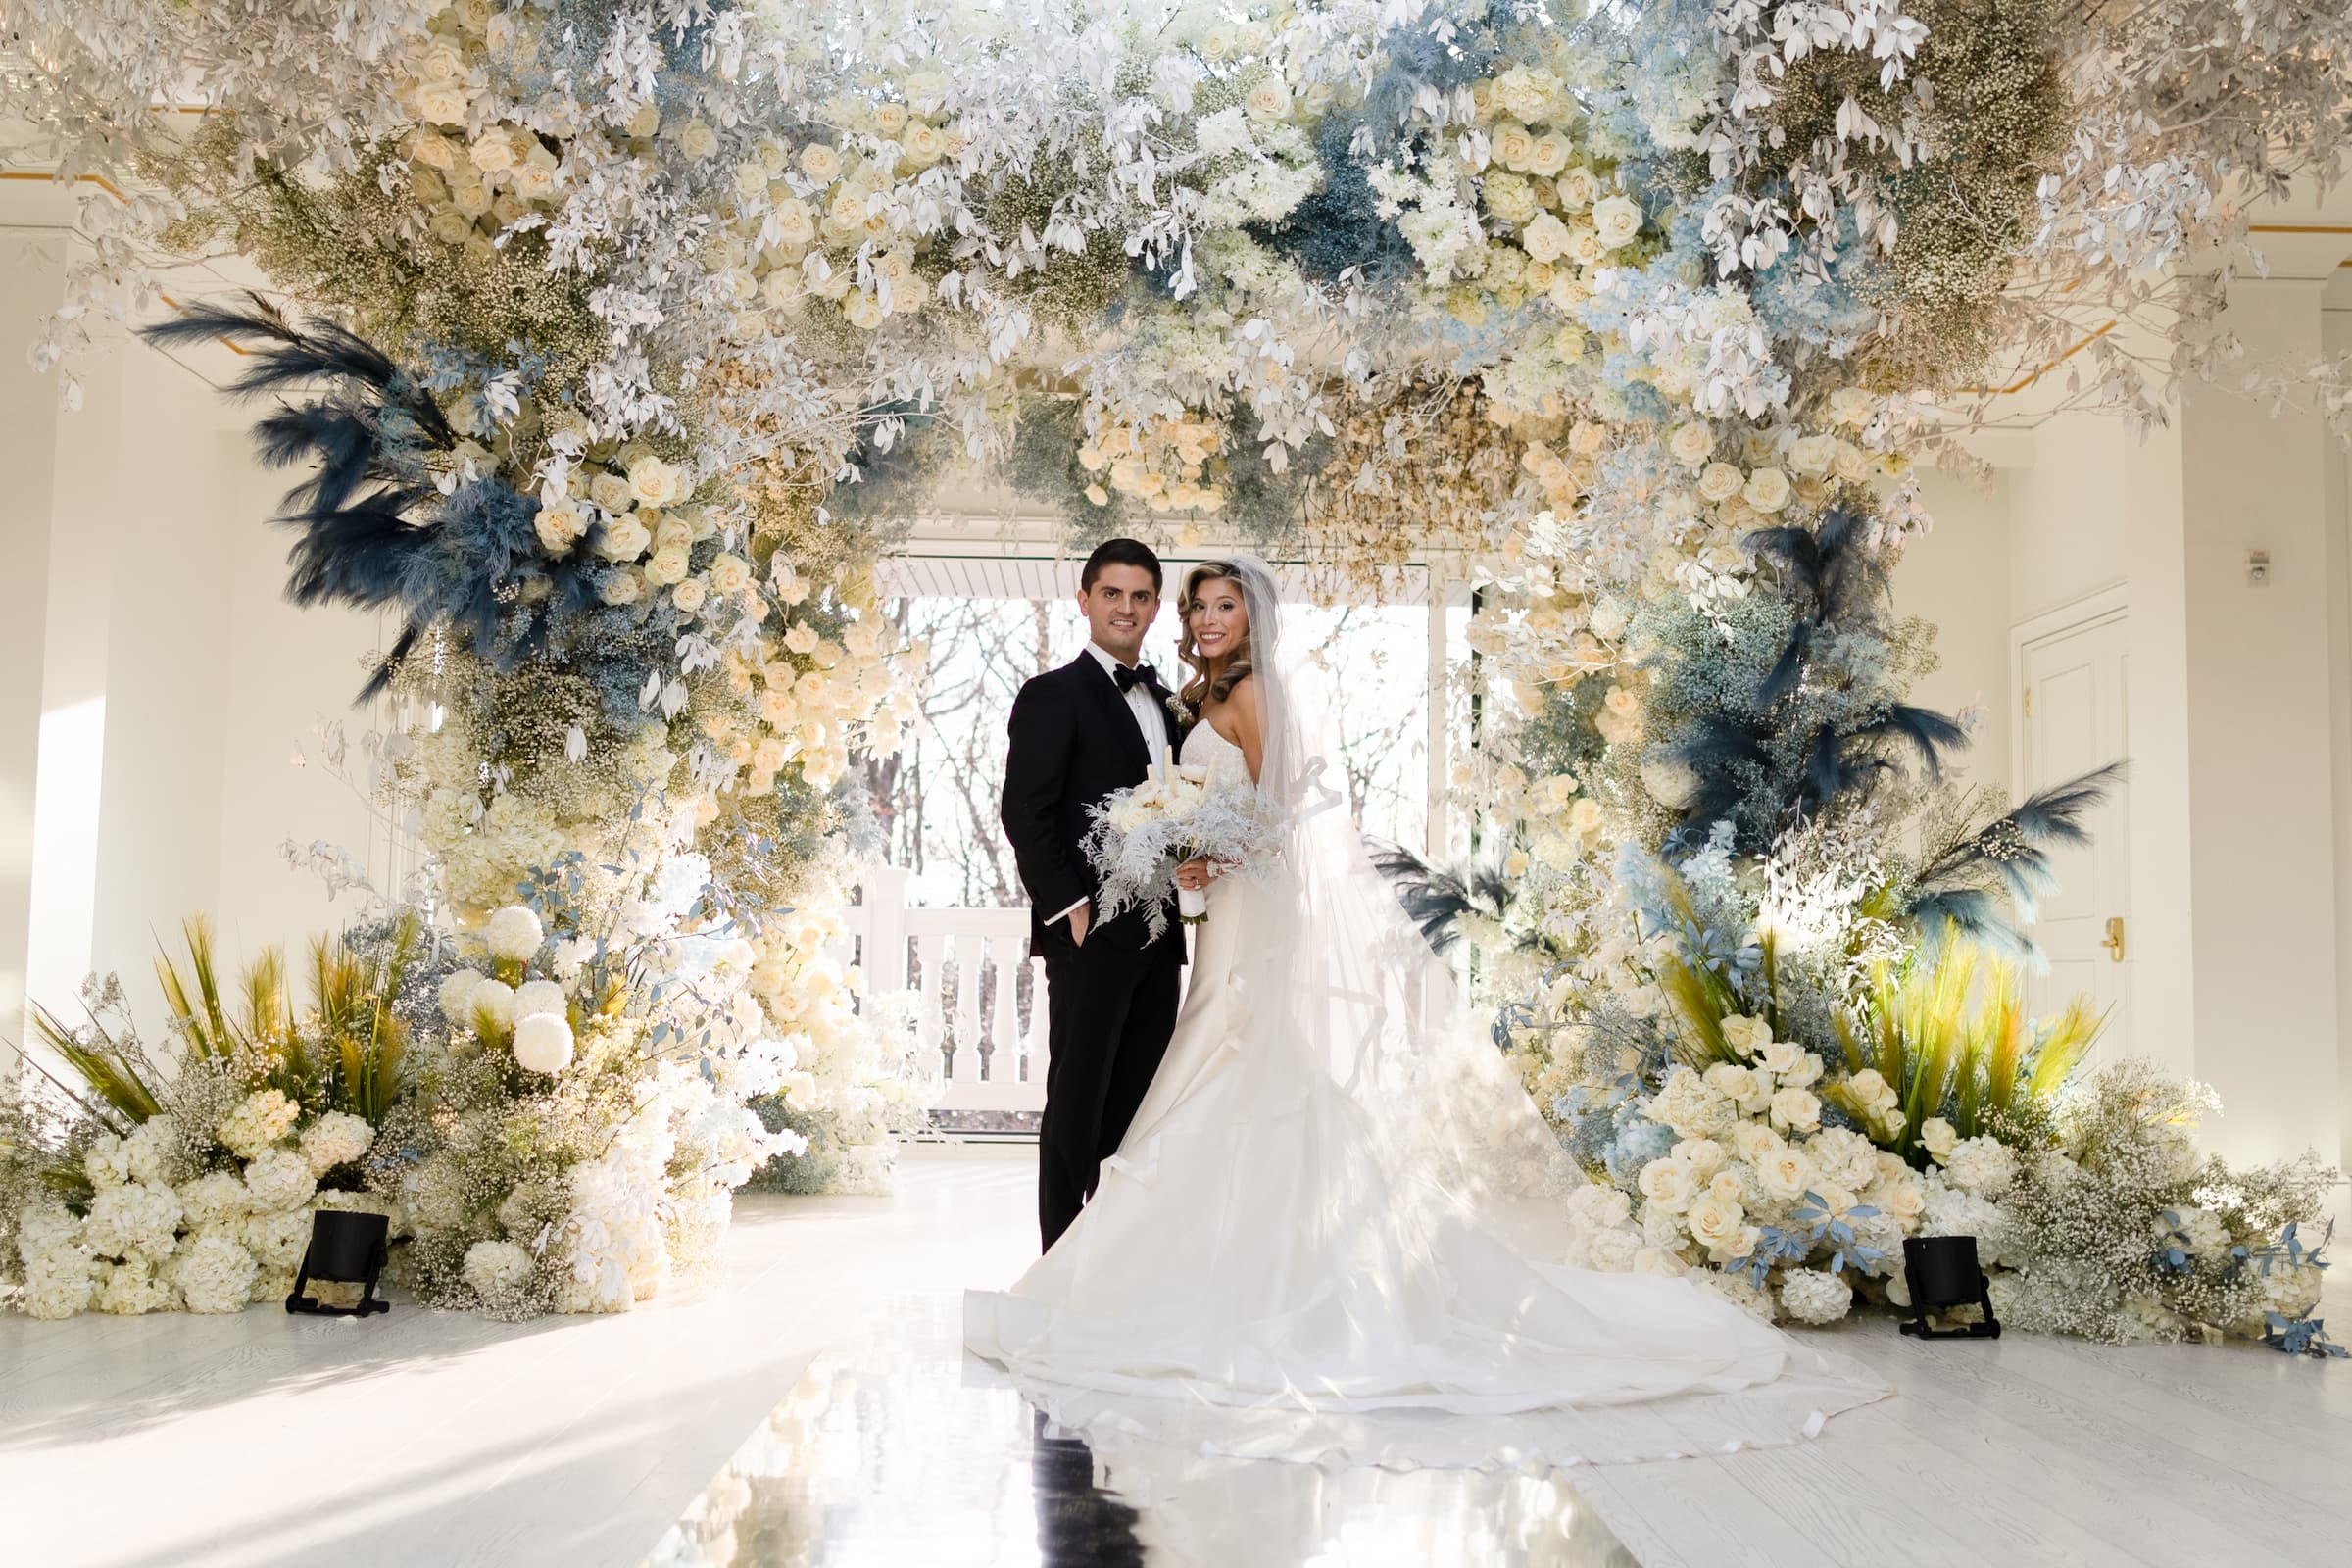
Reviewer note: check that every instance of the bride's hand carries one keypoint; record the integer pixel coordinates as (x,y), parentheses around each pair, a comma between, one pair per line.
(1196,874)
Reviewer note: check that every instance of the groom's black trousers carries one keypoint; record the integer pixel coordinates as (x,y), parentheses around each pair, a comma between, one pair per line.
(1110,1010)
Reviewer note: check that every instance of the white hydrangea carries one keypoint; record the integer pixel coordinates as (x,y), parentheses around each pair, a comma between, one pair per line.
(153,1151)
(214,1274)
(133,1218)
(1816,1296)
(131,1288)
(337,1138)
(278,1179)
(278,1240)
(60,1273)
(515,933)
(1692,1106)
(213,1199)
(265,1116)
(498,1270)
(1983,1165)
(107,1161)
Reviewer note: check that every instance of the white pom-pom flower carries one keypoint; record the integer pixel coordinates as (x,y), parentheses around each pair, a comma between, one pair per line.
(515,932)
(543,1043)
(540,995)
(457,996)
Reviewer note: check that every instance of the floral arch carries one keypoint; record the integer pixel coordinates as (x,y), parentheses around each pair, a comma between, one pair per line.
(613,344)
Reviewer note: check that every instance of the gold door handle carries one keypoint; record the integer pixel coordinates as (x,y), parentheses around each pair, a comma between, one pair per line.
(2112,942)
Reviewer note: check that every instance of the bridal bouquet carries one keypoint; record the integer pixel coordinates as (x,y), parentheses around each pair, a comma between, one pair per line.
(1142,835)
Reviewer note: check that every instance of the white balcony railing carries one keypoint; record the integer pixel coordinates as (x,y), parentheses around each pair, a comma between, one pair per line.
(982,1015)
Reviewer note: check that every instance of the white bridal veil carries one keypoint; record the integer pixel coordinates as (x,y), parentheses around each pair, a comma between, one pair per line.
(1340,1232)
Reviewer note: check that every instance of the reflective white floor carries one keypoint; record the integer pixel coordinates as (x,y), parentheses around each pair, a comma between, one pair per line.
(443,1439)
(900,1453)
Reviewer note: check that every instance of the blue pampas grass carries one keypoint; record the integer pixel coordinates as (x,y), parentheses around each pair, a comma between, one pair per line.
(372,530)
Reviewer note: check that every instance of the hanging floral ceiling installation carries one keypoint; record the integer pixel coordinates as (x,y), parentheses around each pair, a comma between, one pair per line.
(611,343)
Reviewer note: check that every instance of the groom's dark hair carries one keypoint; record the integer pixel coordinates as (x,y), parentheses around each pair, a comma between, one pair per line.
(1119,552)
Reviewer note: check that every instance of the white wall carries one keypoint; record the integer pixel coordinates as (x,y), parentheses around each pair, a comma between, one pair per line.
(1957,577)
(160,684)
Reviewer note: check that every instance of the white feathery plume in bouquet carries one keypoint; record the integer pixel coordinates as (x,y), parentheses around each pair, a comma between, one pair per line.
(1142,835)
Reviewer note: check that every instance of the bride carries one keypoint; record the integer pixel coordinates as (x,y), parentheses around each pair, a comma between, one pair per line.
(1337,1226)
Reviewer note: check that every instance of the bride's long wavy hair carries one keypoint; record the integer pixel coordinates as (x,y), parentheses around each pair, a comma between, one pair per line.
(1200,691)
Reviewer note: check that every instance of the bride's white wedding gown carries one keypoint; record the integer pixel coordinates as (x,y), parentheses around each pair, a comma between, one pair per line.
(1288,1260)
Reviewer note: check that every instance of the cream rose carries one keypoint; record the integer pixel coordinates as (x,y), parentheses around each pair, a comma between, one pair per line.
(1692,442)
(698,140)
(624,539)
(821,163)
(1746,1034)
(1720,482)
(1268,101)
(1715,1223)
(730,574)
(1549,155)
(1939,1137)
(655,482)
(1667,1183)
(492,151)
(890,118)
(924,144)
(443,103)
(1767,490)
(1515,146)
(1618,219)
(666,567)
(1786,1174)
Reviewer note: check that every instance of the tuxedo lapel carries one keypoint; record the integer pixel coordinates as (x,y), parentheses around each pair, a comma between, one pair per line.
(1112,704)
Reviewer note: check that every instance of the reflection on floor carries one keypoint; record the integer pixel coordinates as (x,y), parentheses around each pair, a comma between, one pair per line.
(899,1453)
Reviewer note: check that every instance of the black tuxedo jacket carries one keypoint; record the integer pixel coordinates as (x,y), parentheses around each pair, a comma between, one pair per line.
(1074,742)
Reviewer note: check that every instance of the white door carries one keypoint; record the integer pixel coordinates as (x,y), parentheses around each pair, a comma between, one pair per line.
(2072,722)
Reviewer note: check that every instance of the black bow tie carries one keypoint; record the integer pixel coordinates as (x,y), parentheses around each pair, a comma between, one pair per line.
(1127,676)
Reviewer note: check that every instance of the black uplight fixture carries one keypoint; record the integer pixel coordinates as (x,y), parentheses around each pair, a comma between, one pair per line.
(1942,1273)
(347,1247)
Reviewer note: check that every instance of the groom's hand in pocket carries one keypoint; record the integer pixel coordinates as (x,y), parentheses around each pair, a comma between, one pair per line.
(1080,918)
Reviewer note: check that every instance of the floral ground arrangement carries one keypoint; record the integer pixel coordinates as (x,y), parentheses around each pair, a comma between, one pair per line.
(612,342)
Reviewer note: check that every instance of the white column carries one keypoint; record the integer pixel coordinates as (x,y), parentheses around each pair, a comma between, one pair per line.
(1441,762)
(34,261)
(2260,703)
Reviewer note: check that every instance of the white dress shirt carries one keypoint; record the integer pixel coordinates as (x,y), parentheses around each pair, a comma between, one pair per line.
(1147,723)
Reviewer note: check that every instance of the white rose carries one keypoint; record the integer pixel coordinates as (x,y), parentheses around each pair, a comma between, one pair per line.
(1703,1156)
(1549,155)
(621,588)
(864,311)
(645,121)
(1796,1111)
(543,1043)
(1813,454)
(1939,1137)
(559,526)
(1746,1034)
(698,140)
(1617,219)
(1778,1057)
(1268,101)
(1577,187)
(889,119)
(796,226)
(1786,1174)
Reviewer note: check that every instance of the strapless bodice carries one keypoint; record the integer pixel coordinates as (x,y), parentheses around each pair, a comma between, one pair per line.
(1204,747)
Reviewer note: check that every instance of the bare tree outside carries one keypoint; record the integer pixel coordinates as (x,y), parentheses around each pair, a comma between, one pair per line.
(938,799)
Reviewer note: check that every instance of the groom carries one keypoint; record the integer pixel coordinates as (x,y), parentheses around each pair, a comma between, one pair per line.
(1080,733)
